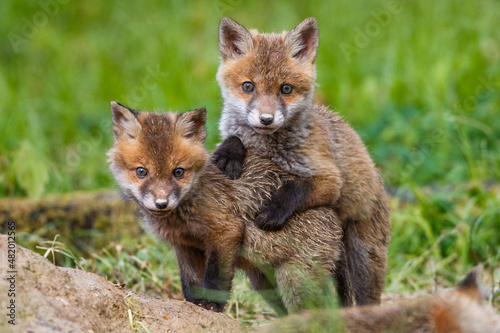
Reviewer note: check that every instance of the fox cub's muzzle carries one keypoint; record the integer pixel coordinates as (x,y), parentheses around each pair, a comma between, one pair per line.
(161,204)
(266,119)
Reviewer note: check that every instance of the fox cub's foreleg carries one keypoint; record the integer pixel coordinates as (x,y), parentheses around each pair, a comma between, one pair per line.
(294,195)
(217,280)
(192,269)
(206,278)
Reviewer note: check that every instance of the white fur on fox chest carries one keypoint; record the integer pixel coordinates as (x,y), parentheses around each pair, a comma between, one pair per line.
(281,147)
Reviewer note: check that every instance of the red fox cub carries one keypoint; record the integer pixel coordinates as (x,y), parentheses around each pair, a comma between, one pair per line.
(160,162)
(267,83)
(460,310)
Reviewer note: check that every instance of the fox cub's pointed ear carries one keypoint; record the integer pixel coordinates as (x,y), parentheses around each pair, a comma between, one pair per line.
(191,124)
(234,39)
(125,122)
(302,42)
(471,285)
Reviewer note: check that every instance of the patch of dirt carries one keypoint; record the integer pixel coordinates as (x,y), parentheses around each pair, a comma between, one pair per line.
(57,299)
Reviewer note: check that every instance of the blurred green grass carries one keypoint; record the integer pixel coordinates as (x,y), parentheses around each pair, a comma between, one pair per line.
(419,80)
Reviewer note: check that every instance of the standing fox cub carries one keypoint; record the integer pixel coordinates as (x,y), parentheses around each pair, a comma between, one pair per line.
(267,82)
(160,162)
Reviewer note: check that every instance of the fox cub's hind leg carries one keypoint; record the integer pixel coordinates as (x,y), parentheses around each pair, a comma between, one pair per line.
(265,284)
(366,243)
(343,281)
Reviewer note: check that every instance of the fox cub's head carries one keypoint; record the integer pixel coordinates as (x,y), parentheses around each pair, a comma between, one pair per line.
(157,157)
(267,79)
(465,309)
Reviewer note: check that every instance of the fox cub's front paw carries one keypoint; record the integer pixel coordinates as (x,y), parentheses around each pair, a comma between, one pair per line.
(284,202)
(213,306)
(229,157)
(271,217)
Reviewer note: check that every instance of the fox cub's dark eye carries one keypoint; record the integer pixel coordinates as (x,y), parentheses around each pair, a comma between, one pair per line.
(286,89)
(247,86)
(141,172)
(179,173)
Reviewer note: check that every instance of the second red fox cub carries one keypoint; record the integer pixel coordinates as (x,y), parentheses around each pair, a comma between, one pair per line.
(459,310)
(267,82)
(160,162)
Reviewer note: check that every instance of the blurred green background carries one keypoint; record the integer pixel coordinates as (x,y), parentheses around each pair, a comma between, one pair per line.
(419,80)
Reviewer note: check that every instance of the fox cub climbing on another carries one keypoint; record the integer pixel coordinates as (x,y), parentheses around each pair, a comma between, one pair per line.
(267,82)
(160,162)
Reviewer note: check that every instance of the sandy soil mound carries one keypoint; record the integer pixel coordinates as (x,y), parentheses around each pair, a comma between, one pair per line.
(56,299)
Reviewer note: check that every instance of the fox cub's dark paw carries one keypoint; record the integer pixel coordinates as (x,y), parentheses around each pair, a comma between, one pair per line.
(271,217)
(229,157)
(212,306)
(284,202)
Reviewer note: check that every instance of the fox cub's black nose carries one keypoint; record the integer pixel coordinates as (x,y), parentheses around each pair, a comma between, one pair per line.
(161,204)
(266,119)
